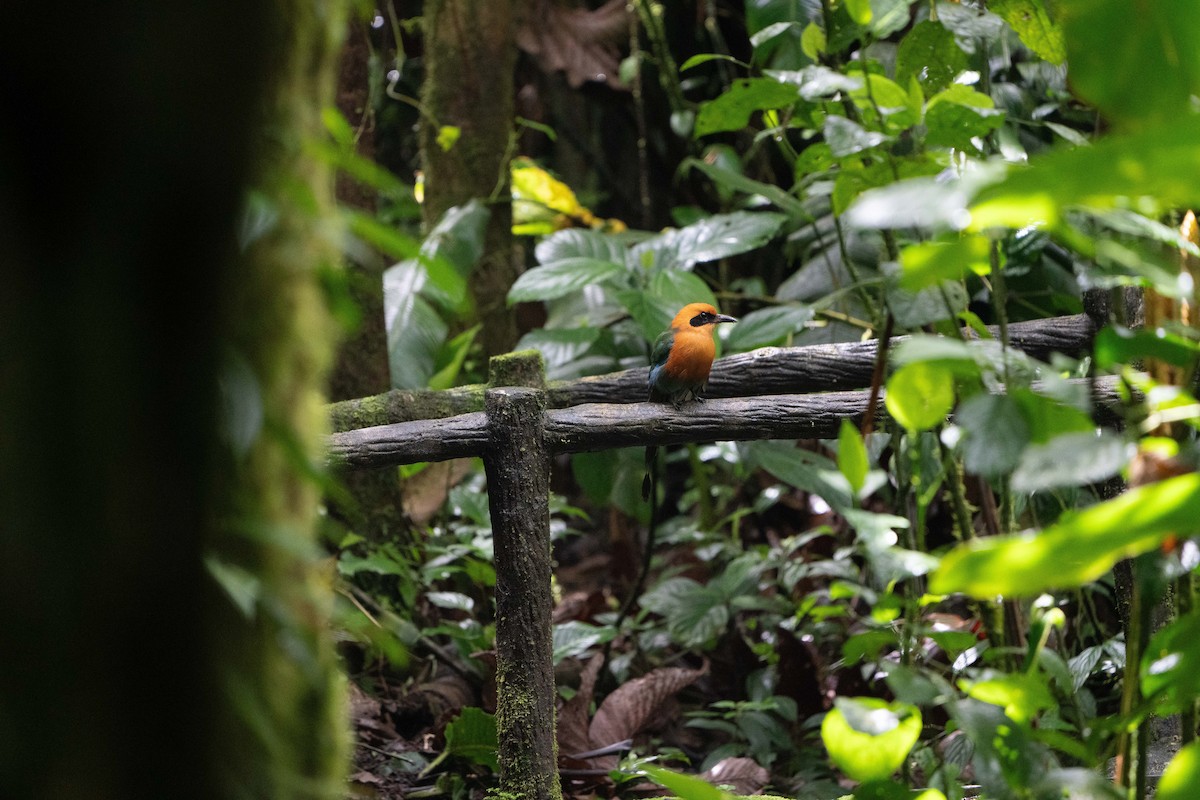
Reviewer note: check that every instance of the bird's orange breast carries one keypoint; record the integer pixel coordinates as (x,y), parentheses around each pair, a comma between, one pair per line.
(691,356)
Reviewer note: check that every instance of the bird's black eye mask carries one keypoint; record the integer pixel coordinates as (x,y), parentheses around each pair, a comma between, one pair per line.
(703,318)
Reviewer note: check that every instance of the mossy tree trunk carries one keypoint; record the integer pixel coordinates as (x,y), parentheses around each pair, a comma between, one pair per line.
(127,671)
(283,728)
(470,55)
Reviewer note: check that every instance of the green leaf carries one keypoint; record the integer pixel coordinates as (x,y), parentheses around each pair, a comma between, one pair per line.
(970,23)
(852,457)
(1004,756)
(561,278)
(929,263)
(450,359)
(1080,548)
(560,347)
(695,614)
(768,33)
(1139,63)
(859,11)
(1072,459)
(869,739)
(1022,696)
(686,787)
(415,331)
(731,111)
(580,243)
(920,395)
(677,288)
(651,313)
(879,96)
(717,237)
(457,239)
(768,325)
(1161,163)
(802,469)
(888,16)
(385,238)
(812,41)
(956,115)
(930,54)
(472,736)
(1031,20)
(846,138)
(918,202)
(739,182)
(574,638)
(994,434)
(1116,345)
(1181,777)
(937,303)
(1171,666)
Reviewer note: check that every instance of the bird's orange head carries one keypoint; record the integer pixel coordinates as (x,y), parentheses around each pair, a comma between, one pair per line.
(699,316)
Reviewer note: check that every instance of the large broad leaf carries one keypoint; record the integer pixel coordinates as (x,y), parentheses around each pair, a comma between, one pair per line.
(1161,163)
(718,236)
(852,458)
(415,330)
(562,277)
(562,348)
(868,738)
(453,248)
(1005,759)
(845,137)
(685,787)
(803,469)
(731,111)
(1080,548)
(580,243)
(1138,62)
(919,202)
(768,325)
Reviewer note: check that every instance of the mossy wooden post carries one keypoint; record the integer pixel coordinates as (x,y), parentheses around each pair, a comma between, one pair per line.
(518,475)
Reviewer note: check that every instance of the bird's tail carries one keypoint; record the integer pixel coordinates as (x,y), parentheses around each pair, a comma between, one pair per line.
(651,472)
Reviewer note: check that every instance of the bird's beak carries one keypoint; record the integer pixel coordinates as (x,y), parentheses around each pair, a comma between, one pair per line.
(725,318)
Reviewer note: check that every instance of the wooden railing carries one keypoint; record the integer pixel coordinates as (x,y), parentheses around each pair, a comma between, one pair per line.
(517,422)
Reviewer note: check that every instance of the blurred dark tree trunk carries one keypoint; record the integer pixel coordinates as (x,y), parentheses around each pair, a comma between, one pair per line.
(128,671)
(470,55)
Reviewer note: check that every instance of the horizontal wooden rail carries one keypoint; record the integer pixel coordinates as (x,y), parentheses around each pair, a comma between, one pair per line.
(600,426)
(768,370)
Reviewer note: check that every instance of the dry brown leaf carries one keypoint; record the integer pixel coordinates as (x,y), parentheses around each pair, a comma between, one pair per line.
(573,719)
(581,43)
(745,775)
(425,492)
(627,710)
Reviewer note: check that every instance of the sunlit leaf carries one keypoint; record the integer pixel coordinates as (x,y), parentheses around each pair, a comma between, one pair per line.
(710,239)
(1080,548)
(1162,163)
(868,738)
(1032,21)
(1117,345)
(579,243)
(846,138)
(920,395)
(1181,777)
(1022,695)
(852,456)
(686,787)
(927,264)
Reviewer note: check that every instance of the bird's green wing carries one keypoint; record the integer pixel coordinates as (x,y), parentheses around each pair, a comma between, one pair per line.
(662,348)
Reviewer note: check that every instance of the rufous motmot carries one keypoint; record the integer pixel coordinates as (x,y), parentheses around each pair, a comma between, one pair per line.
(679,364)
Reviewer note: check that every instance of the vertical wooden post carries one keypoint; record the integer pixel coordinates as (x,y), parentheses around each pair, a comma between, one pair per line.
(518,475)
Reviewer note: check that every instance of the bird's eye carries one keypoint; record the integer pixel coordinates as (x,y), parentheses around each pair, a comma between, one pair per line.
(703,318)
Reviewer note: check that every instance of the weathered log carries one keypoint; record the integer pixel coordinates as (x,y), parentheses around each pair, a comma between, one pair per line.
(599,426)
(768,370)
